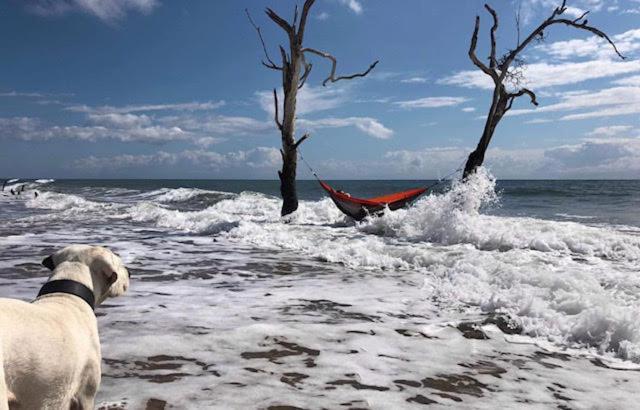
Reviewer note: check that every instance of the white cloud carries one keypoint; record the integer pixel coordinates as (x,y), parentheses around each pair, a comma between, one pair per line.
(468,109)
(614,111)
(542,75)
(633,81)
(369,126)
(316,99)
(222,125)
(532,10)
(206,142)
(18,126)
(431,102)
(594,47)
(106,10)
(414,80)
(354,5)
(592,158)
(610,130)
(120,120)
(610,158)
(153,134)
(120,123)
(609,102)
(21,94)
(323,16)
(107,109)
(258,158)
(310,99)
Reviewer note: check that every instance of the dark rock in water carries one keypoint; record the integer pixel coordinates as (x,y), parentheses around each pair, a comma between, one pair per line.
(357,385)
(155,404)
(505,323)
(293,378)
(471,331)
(412,383)
(456,384)
(421,399)
(485,367)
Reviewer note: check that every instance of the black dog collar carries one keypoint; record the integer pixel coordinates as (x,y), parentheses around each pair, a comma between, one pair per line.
(71,287)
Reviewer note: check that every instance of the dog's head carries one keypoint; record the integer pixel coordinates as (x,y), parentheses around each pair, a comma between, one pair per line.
(108,275)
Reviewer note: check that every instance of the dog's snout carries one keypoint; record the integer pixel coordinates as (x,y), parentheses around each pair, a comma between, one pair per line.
(48,263)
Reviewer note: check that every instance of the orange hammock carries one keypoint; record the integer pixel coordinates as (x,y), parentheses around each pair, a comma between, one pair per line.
(359,208)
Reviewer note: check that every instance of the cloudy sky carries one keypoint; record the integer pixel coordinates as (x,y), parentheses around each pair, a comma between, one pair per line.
(168,89)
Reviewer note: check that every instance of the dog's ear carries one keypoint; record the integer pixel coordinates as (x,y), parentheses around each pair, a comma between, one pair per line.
(105,267)
(48,263)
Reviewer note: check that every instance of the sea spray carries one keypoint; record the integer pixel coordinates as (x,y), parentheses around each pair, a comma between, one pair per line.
(569,283)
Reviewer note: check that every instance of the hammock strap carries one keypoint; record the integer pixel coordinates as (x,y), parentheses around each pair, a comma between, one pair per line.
(307,164)
(444,178)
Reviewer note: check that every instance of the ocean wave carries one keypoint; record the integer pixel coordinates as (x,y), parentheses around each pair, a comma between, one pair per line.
(455,218)
(572,284)
(69,203)
(185,194)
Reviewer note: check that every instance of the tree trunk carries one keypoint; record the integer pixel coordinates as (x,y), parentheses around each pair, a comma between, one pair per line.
(496,112)
(291,78)
(288,181)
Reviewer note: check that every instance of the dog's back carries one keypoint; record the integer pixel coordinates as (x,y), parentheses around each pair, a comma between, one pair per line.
(49,343)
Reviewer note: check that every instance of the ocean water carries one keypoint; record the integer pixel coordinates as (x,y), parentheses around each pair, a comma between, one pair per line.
(483,295)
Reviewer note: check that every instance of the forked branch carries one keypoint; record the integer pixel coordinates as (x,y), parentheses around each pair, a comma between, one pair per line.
(520,93)
(474,58)
(303,19)
(301,140)
(332,75)
(269,63)
(307,71)
(580,23)
(492,57)
(281,22)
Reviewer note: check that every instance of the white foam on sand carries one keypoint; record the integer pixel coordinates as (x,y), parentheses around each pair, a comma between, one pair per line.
(361,313)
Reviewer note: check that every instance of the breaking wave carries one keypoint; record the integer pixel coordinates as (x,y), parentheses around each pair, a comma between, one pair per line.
(573,284)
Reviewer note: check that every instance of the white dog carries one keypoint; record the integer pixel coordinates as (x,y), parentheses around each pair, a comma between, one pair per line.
(49,349)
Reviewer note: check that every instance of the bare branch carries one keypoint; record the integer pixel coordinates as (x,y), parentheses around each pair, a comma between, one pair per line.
(578,23)
(295,18)
(492,58)
(520,93)
(270,64)
(281,22)
(518,18)
(332,76)
(300,141)
(285,58)
(474,58)
(307,71)
(581,17)
(276,115)
(303,19)
(560,10)
(584,26)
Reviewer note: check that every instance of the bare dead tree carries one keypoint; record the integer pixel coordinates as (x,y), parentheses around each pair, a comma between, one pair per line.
(507,69)
(295,72)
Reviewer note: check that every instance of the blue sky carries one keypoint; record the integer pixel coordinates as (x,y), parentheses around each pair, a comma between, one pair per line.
(169,89)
